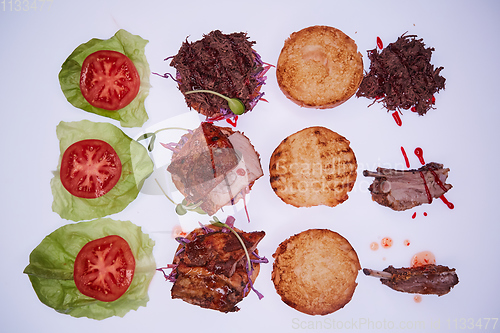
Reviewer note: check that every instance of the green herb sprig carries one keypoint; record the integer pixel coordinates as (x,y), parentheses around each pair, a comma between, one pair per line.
(235,105)
(183,207)
(152,135)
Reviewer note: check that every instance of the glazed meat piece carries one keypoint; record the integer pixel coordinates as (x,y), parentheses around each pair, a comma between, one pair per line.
(199,286)
(211,268)
(426,279)
(402,190)
(219,252)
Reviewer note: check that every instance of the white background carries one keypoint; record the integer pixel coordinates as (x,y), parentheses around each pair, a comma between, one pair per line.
(462,133)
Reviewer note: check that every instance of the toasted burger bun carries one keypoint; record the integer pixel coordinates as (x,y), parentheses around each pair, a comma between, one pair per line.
(313,167)
(315,271)
(319,67)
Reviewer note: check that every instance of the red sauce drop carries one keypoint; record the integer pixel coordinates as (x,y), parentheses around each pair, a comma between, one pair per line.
(413,109)
(374,246)
(427,192)
(380,45)
(417,298)
(420,154)
(405,156)
(241,172)
(386,242)
(233,123)
(449,204)
(423,258)
(396,117)
(414,215)
(407,242)
(425,213)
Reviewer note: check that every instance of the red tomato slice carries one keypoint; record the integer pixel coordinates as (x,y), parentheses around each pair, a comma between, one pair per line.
(109,80)
(104,268)
(90,168)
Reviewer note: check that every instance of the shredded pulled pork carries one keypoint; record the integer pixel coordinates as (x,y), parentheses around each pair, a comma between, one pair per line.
(401,76)
(224,63)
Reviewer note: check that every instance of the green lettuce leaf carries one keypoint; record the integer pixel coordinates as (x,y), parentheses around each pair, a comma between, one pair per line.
(134,114)
(136,167)
(50,269)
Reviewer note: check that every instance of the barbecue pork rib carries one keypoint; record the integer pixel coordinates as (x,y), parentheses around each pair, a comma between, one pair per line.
(405,189)
(426,279)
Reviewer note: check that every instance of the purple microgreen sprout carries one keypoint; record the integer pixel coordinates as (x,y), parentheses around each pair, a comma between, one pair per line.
(218,223)
(235,105)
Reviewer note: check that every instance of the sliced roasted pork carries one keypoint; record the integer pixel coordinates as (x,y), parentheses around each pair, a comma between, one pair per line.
(405,189)
(215,166)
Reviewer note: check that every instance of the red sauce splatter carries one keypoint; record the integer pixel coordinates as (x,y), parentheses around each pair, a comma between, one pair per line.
(436,178)
(374,246)
(427,192)
(425,213)
(438,181)
(447,203)
(417,298)
(397,118)
(413,109)
(178,232)
(233,123)
(420,154)
(406,242)
(241,172)
(423,258)
(386,242)
(405,156)
(414,215)
(380,45)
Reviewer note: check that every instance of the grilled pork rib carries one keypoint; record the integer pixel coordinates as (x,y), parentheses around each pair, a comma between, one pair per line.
(402,190)
(426,279)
